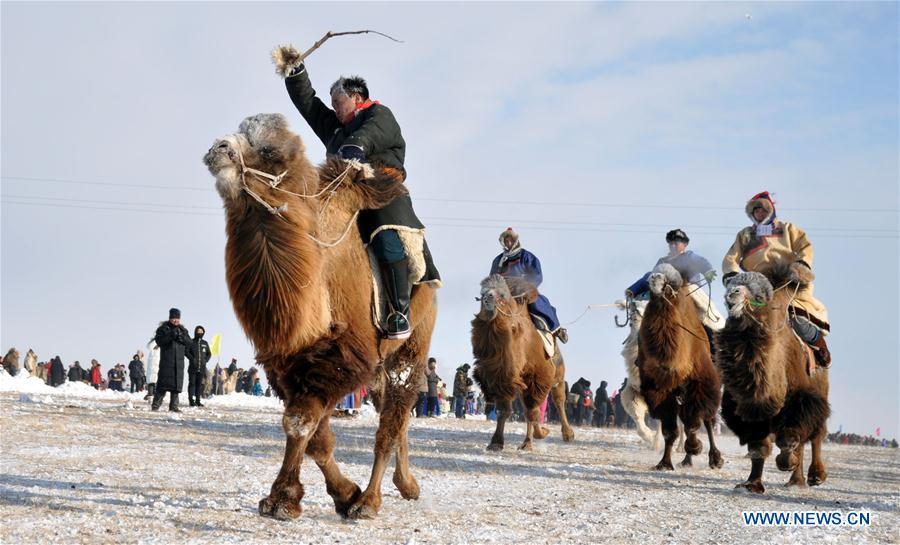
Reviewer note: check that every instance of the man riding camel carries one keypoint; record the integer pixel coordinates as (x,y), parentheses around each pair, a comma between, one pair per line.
(698,272)
(770,241)
(358,128)
(516,261)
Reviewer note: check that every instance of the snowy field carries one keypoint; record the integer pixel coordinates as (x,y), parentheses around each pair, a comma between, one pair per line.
(80,466)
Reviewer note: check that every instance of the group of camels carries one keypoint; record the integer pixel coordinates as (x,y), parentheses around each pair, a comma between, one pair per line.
(294,258)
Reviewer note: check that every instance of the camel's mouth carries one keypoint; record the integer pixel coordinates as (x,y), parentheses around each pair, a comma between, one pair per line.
(489,301)
(223,161)
(657,282)
(736,300)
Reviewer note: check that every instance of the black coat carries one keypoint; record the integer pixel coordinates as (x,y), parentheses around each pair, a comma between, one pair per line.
(374,129)
(174,345)
(57,372)
(75,373)
(136,369)
(200,354)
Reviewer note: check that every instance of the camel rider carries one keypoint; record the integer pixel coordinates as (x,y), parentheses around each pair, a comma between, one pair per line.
(767,242)
(358,128)
(698,272)
(516,261)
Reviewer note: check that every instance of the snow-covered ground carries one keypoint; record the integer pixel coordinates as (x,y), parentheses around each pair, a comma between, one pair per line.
(80,466)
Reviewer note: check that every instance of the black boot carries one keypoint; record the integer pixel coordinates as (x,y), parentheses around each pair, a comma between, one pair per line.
(173,403)
(396,282)
(191,401)
(562,335)
(157,400)
(197,402)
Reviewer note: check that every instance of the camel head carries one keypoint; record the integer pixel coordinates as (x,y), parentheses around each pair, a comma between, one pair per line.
(12,355)
(747,289)
(664,276)
(263,143)
(504,295)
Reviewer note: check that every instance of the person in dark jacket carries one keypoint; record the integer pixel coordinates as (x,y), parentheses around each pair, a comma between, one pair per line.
(581,388)
(358,128)
(232,367)
(601,406)
(200,354)
(461,384)
(57,372)
(75,372)
(136,372)
(174,345)
(516,261)
(116,378)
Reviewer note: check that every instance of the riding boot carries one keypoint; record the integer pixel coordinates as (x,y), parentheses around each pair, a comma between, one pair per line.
(820,350)
(157,400)
(396,282)
(173,403)
(150,388)
(191,400)
(197,402)
(562,335)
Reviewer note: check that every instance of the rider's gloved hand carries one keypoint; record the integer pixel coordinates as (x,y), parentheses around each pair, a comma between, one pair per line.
(710,276)
(297,70)
(349,152)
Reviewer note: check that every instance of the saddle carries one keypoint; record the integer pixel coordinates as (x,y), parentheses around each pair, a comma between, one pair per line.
(549,341)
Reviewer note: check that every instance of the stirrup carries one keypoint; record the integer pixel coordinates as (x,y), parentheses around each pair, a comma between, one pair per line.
(397,326)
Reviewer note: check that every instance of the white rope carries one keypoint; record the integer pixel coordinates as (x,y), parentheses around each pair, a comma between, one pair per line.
(339,240)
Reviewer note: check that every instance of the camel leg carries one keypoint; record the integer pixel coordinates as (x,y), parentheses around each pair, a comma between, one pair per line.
(504,409)
(533,430)
(321,449)
(399,397)
(300,421)
(817,473)
(789,442)
(692,444)
(559,399)
(669,423)
(797,474)
(715,457)
(636,407)
(759,451)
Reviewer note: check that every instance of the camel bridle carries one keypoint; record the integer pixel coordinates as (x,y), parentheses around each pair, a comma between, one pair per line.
(273,181)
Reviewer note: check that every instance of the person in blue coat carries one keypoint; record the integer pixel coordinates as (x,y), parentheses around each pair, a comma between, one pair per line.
(516,261)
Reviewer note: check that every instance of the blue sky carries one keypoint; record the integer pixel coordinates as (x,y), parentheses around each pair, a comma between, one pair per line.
(623,120)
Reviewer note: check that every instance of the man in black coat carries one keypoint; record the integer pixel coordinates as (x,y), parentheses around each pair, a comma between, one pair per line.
(581,388)
(200,354)
(601,405)
(136,372)
(76,372)
(57,372)
(358,128)
(174,345)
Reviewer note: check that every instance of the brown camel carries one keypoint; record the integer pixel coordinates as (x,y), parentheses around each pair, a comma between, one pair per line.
(11,362)
(300,282)
(510,359)
(678,379)
(31,362)
(771,384)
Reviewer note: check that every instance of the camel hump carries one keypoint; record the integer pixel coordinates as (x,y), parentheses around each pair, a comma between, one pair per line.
(374,187)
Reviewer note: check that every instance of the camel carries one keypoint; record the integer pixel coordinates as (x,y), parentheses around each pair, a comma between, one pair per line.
(771,383)
(510,359)
(632,400)
(678,379)
(11,362)
(230,383)
(31,362)
(301,286)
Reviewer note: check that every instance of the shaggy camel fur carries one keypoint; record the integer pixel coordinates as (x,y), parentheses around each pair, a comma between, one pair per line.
(31,362)
(300,282)
(632,400)
(678,379)
(770,384)
(510,359)
(11,362)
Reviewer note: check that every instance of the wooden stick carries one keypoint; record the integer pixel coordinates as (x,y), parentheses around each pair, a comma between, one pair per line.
(331,34)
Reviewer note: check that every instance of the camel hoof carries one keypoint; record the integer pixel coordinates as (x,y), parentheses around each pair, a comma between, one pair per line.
(786,461)
(495,447)
(753,486)
(280,510)
(527,445)
(362,510)
(664,466)
(816,479)
(687,462)
(541,432)
(342,506)
(715,459)
(795,482)
(408,490)
(568,435)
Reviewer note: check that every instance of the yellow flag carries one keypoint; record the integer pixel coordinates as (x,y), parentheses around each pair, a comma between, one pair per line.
(216,344)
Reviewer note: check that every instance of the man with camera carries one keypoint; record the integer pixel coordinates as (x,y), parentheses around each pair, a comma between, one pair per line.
(174,342)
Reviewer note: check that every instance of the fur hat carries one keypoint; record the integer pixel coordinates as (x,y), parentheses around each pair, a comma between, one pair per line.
(677,235)
(508,233)
(174,313)
(761,200)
